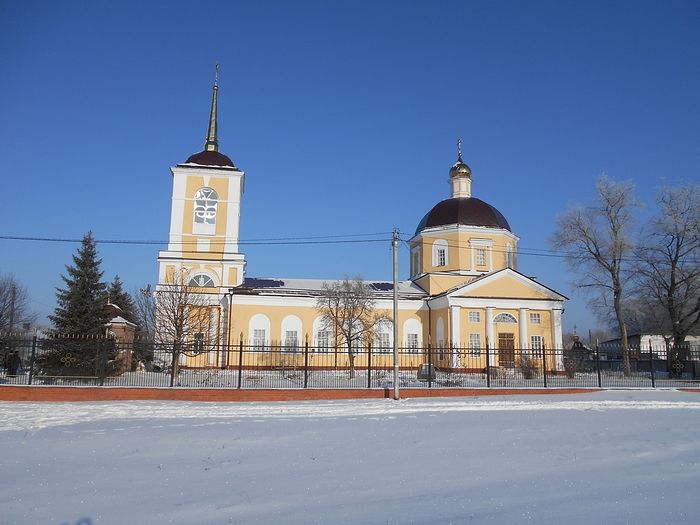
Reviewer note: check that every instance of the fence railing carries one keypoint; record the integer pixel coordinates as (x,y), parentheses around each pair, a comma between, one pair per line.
(244,365)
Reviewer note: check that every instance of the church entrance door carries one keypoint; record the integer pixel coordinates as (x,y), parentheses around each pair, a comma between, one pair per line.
(506,350)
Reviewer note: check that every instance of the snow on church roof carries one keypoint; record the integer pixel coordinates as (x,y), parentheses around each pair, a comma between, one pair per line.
(407,289)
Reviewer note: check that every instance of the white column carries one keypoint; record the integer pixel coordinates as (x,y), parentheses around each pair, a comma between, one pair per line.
(454,334)
(557,343)
(523,330)
(489,334)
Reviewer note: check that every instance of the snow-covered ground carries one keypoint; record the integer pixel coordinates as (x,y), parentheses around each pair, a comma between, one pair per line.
(608,457)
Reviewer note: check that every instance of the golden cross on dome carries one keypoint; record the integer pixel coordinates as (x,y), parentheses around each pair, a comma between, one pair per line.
(459,149)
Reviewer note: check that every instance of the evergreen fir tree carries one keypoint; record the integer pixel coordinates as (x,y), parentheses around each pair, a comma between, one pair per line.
(117,295)
(79,347)
(80,307)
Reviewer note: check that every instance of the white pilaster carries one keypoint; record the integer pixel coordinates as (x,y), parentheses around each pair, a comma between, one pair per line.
(489,334)
(455,334)
(523,330)
(557,343)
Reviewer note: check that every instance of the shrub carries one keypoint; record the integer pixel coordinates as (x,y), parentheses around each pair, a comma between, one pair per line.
(528,367)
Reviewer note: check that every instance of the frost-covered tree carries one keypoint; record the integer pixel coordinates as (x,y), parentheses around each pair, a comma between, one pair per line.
(667,272)
(347,308)
(597,241)
(15,311)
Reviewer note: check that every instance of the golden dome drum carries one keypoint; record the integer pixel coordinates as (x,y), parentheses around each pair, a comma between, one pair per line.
(460,169)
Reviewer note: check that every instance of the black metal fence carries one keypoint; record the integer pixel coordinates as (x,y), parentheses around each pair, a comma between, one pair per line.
(98,361)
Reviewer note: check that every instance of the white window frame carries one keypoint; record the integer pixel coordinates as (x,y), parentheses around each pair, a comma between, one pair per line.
(412,346)
(259,322)
(440,253)
(536,346)
(202,280)
(259,340)
(415,260)
(505,317)
(324,341)
(323,336)
(291,342)
(291,323)
(383,342)
(535,318)
(487,246)
(205,208)
(474,317)
(412,327)
(475,345)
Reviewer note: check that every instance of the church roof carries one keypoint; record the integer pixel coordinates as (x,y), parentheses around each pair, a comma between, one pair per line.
(468,211)
(210,158)
(314,287)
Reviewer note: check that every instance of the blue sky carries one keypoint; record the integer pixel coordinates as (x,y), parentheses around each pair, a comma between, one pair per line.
(344,117)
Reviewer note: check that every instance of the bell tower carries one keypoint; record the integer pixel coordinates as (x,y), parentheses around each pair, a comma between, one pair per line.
(205,216)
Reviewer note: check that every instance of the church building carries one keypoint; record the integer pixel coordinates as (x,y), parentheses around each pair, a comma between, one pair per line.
(464,289)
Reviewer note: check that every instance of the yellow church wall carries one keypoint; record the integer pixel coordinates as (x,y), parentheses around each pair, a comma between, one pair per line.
(216,247)
(336,357)
(459,254)
(435,284)
(505,287)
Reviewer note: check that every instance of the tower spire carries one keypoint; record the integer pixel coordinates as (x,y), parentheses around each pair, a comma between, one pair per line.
(212,143)
(460,176)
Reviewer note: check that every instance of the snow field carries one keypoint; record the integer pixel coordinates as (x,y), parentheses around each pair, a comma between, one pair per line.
(608,457)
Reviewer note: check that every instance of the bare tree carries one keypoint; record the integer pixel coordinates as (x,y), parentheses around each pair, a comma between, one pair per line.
(145,307)
(596,239)
(15,312)
(348,309)
(182,317)
(667,272)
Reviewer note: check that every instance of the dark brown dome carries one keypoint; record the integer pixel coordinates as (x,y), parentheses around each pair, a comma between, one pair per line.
(210,158)
(461,210)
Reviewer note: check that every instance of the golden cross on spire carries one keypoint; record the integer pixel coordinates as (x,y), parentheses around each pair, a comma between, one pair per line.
(216,74)
(459,149)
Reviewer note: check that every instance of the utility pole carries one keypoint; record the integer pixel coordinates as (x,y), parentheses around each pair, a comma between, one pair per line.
(395,246)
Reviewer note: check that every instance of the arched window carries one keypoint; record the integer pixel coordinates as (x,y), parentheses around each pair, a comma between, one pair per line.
(412,331)
(291,334)
(323,336)
(205,202)
(504,318)
(440,253)
(259,333)
(383,338)
(201,281)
